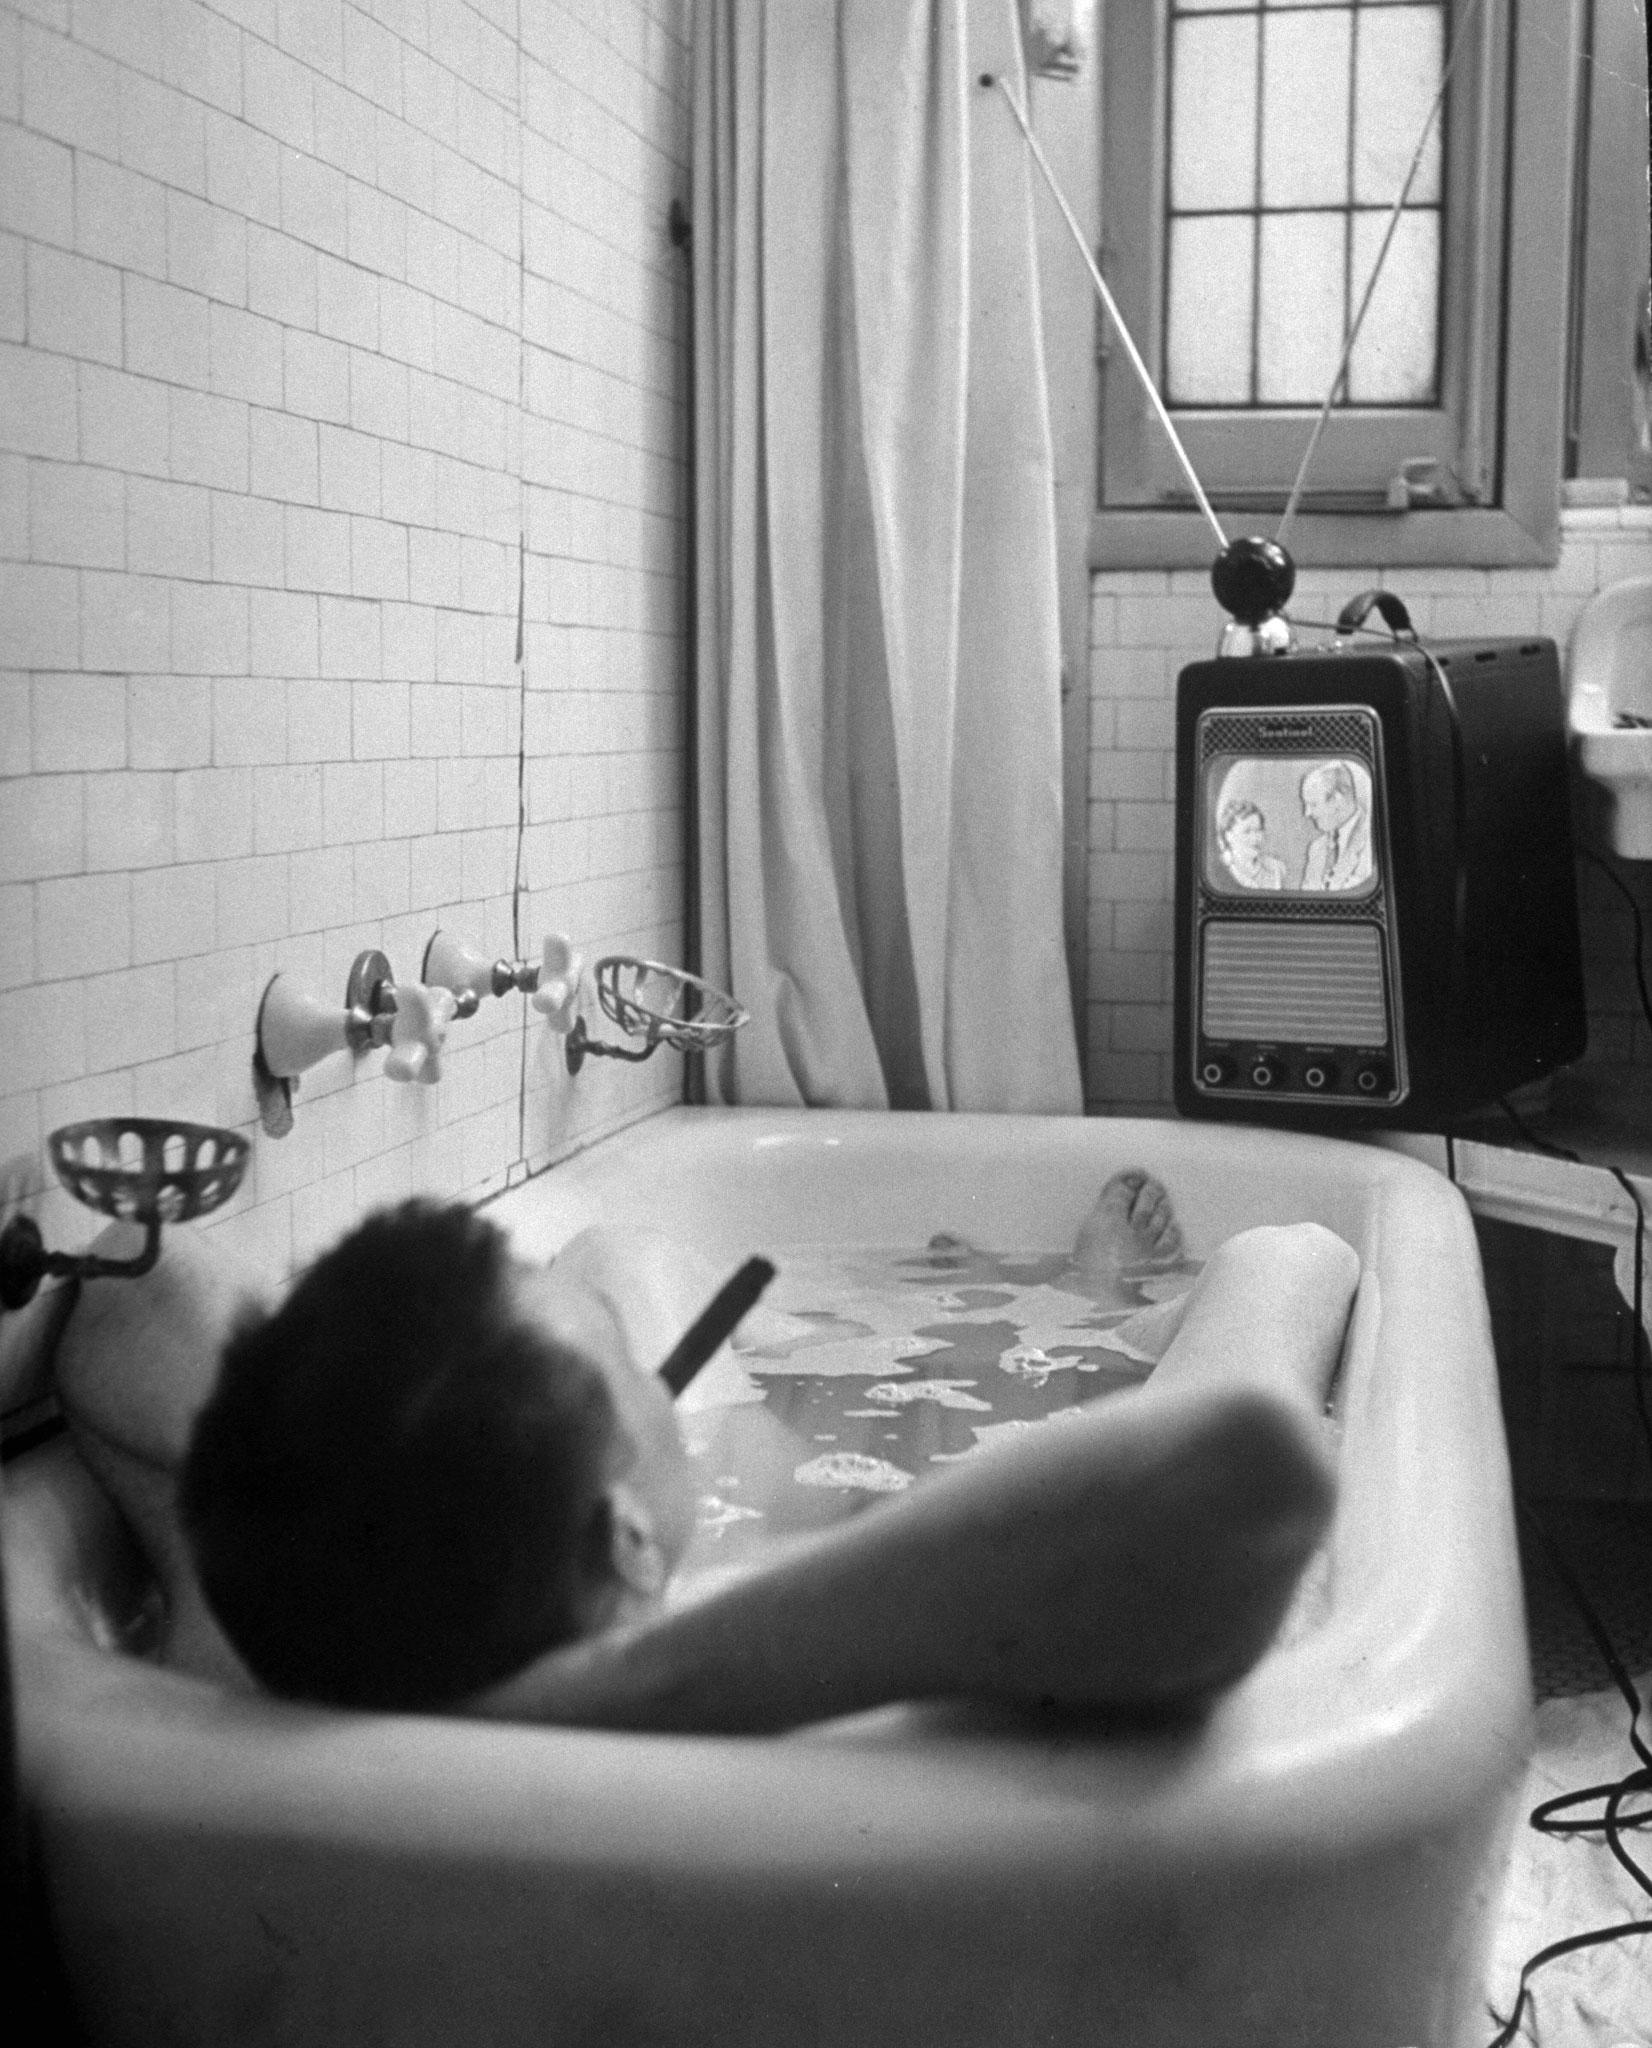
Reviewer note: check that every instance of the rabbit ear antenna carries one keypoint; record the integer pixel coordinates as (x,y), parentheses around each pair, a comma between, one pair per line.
(1458,44)
(1110,305)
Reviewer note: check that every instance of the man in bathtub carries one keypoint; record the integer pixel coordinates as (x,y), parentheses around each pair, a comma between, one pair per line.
(437,1478)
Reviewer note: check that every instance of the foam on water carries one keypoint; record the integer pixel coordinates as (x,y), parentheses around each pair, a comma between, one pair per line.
(877,1366)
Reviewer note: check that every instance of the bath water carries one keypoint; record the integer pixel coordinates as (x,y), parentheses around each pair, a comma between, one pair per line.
(893,1364)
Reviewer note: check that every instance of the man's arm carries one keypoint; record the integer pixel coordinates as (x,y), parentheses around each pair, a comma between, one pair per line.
(138,1358)
(1138,1555)
(136,1361)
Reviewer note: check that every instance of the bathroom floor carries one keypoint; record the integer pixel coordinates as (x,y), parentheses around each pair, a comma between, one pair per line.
(1600,1997)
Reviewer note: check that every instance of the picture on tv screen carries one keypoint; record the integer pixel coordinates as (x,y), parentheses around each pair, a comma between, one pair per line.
(1291,824)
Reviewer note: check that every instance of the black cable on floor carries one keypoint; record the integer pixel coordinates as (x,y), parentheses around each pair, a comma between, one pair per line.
(1553,1817)
(1595,1937)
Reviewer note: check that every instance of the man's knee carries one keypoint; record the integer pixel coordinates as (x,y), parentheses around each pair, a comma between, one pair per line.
(1293,1254)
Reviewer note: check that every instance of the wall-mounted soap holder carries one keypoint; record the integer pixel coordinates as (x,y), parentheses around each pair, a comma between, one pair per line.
(296,1029)
(658,1004)
(138,1169)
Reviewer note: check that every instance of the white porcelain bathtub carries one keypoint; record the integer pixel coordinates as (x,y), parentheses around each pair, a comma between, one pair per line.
(1315,1864)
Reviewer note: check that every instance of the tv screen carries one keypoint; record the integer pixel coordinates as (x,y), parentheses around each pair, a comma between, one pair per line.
(1289,825)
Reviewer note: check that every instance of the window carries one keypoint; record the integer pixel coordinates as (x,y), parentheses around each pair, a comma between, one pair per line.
(1252,151)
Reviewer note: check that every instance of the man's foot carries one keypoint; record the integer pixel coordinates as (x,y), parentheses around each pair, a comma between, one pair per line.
(1132,1229)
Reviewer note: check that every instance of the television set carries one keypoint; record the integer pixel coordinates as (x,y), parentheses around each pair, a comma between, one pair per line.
(1376,910)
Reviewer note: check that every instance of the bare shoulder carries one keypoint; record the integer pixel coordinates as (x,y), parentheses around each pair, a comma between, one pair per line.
(139,1357)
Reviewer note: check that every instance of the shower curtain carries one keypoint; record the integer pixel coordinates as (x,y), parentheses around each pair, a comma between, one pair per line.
(878,738)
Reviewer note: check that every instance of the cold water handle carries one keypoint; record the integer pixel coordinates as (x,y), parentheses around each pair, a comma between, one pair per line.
(560,972)
(418,1031)
(551,983)
(295,1030)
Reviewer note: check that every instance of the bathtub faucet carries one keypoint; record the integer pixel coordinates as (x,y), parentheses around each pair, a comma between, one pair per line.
(296,1029)
(550,983)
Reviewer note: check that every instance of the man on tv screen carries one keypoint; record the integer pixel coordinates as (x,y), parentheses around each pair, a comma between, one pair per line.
(1339,856)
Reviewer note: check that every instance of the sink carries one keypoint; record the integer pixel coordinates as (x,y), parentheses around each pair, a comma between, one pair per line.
(1609,710)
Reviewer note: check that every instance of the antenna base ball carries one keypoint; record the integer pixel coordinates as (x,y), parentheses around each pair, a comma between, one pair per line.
(1253,579)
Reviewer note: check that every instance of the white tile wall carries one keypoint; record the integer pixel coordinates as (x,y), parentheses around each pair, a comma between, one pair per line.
(1144,626)
(313,315)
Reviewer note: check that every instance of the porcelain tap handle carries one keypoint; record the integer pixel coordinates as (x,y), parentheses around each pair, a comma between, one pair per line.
(560,969)
(418,1032)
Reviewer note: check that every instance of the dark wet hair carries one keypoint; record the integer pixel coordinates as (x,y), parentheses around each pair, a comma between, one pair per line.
(395,1495)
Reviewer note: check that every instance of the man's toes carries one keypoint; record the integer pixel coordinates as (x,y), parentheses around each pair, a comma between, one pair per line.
(1153,1219)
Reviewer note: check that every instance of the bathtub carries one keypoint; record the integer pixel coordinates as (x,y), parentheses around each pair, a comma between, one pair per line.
(1317,1862)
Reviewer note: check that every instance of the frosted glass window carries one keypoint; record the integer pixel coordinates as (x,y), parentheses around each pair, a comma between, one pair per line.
(1212,265)
(1292,125)
(1301,281)
(1305,94)
(1394,360)
(1213,113)
(1398,70)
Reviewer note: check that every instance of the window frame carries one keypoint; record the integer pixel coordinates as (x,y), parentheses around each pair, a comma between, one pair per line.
(1505,356)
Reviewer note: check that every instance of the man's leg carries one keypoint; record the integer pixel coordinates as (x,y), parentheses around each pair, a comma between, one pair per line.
(1133,1229)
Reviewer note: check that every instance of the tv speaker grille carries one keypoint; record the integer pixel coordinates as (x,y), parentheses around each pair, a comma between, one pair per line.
(1319,984)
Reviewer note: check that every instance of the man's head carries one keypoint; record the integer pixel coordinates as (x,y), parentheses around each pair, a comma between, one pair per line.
(1328,795)
(431,1464)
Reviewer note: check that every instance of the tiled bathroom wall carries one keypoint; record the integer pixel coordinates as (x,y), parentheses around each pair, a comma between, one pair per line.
(1145,625)
(342,501)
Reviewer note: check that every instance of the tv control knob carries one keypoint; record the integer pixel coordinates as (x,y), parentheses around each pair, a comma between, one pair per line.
(1262,1075)
(1319,1075)
(1215,1073)
(1368,1080)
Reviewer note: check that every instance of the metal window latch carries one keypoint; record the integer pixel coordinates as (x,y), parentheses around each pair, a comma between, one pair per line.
(1424,483)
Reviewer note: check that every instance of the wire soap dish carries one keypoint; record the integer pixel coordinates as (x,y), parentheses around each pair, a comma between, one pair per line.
(660,1005)
(137,1169)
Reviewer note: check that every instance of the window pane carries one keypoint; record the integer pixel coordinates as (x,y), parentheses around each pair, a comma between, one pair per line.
(1305,108)
(1213,113)
(1299,326)
(1397,66)
(1395,357)
(1346,87)
(1208,352)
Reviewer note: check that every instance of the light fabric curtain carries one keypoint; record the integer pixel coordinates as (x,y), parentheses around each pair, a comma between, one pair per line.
(878,741)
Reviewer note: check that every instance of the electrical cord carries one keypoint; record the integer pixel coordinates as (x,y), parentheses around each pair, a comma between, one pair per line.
(1599,861)
(1640,1346)
(1554,1817)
